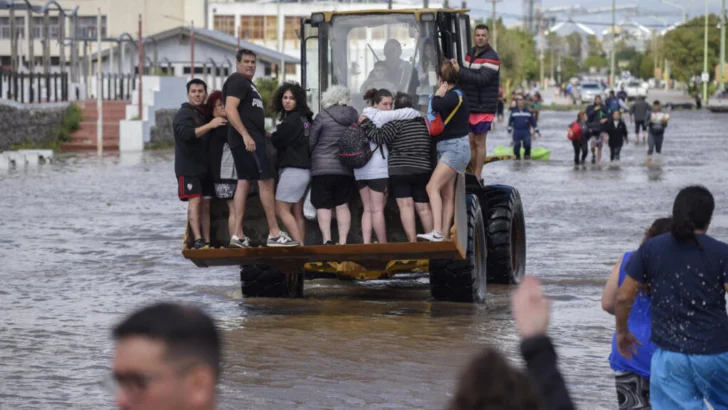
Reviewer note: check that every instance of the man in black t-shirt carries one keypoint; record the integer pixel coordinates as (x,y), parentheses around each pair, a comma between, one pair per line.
(246,137)
(195,184)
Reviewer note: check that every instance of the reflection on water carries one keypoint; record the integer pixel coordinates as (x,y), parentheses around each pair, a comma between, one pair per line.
(84,240)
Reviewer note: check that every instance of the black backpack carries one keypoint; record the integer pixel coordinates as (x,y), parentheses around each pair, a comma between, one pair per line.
(354,149)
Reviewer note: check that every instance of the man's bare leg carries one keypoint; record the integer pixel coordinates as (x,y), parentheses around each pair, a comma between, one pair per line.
(205,211)
(324,220)
(193,216)
(267,199)
(477,153)
(241,197)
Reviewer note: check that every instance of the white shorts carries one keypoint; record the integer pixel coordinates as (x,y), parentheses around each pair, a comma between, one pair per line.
(292,184)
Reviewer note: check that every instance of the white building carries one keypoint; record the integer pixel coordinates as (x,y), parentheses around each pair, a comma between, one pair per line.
(117,17)
(257,21)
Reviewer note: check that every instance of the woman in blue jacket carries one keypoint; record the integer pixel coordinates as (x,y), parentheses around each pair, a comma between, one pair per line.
(633,375)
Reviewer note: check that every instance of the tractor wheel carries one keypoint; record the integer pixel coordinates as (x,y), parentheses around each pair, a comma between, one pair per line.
(463,280)
(506,232)
(263,281)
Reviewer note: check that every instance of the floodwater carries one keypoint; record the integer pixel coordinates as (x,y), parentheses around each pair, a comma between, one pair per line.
(85,240)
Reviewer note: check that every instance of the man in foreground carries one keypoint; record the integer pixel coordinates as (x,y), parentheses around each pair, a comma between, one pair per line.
(246,138)
(480,81)
(166,357)
(195,184)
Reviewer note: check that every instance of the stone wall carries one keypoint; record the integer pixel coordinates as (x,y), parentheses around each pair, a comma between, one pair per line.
(29,124)
(162,131)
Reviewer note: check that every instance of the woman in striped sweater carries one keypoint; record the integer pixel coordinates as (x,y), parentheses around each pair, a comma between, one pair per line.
(409,165)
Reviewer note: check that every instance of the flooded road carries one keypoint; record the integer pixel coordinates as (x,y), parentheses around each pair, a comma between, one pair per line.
(85,240)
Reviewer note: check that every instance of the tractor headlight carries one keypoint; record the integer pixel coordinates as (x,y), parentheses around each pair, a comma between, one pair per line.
(317,18)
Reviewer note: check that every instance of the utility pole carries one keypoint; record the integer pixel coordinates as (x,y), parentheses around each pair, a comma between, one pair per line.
(13,42)
(614,45)
(281,39)
(139,70)
(541,57)
(721,81)
(192,49)
(705,56)
(494,29)
(99,91)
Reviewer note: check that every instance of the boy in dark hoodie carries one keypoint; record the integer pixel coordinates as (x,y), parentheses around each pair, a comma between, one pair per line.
(195,184)
(616,129)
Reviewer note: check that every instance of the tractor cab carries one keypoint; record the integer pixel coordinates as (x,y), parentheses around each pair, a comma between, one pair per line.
(394,49)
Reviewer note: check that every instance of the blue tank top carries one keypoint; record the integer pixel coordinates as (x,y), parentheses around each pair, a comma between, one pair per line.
(639,325)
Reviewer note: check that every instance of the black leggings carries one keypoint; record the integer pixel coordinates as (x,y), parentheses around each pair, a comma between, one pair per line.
(582,148)
(614,152)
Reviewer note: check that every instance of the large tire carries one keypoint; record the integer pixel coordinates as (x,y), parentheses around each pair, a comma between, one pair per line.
(506,227)
(263,281)
(463,280)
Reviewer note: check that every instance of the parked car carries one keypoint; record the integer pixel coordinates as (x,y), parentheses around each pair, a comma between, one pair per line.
(634,88)
(588,91)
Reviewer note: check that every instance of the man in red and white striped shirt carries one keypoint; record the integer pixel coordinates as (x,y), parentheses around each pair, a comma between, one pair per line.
(480,81)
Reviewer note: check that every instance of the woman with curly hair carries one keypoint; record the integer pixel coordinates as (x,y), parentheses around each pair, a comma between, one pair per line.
(293,162)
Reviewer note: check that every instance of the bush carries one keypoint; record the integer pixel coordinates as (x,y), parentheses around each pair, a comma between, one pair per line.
(71,122)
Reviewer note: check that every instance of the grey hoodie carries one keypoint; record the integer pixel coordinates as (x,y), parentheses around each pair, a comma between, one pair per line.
(328,127)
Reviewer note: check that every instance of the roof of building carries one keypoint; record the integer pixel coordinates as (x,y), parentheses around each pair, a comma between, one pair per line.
(221,39)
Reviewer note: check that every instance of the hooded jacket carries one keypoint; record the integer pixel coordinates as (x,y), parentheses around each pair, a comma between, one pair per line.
(291,140)
(328,127)
(190,152)
(480,80)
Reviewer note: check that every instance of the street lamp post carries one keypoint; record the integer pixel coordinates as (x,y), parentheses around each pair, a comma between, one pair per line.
(682,9)
(614,45)
(705,55)
(722,45)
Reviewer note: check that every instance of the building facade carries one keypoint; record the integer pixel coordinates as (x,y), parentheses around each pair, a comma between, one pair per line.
(118,17)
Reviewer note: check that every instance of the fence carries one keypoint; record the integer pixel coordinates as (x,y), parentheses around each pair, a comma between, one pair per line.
(30,88)
(113,86)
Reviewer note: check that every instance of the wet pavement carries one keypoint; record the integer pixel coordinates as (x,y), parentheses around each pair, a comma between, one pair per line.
(85,240)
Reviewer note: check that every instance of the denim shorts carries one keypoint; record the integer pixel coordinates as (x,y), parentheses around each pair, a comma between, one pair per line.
(454,153)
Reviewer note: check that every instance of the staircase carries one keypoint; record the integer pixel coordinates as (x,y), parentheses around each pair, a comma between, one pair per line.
(84,138)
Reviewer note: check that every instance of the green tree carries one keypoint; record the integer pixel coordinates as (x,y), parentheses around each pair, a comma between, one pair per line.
(683,46)
(594,61)
(647,66)
(267,87)
(594,46)
(574,43)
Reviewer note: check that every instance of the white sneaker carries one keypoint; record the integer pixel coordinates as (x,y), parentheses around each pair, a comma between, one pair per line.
(433,236)
(282,241)
(236,242)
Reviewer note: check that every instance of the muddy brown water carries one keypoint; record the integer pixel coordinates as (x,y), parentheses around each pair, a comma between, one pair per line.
(85,240)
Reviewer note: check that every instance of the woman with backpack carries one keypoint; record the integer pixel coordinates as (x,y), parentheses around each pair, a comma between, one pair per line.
(453,151)
(331,181)
(410,166)
(373,178)
(291,140)
(579,136)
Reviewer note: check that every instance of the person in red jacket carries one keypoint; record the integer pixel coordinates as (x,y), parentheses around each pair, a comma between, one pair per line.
(579,136)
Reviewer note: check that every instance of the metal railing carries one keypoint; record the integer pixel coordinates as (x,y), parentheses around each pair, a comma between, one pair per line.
(33,87)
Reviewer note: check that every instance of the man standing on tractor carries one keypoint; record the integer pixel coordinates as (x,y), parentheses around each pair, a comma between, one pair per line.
(480,81)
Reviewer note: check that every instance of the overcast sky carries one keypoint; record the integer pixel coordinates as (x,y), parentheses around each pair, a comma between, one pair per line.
(511,10)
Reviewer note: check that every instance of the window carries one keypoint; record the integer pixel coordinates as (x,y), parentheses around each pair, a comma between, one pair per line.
(86,27)
(292,24)
(53,29)
(198,70)
(225,24)
(252,27)
(5,27)
(271,28)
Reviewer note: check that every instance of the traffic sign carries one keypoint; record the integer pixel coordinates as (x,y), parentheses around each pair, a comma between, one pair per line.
(705,77)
